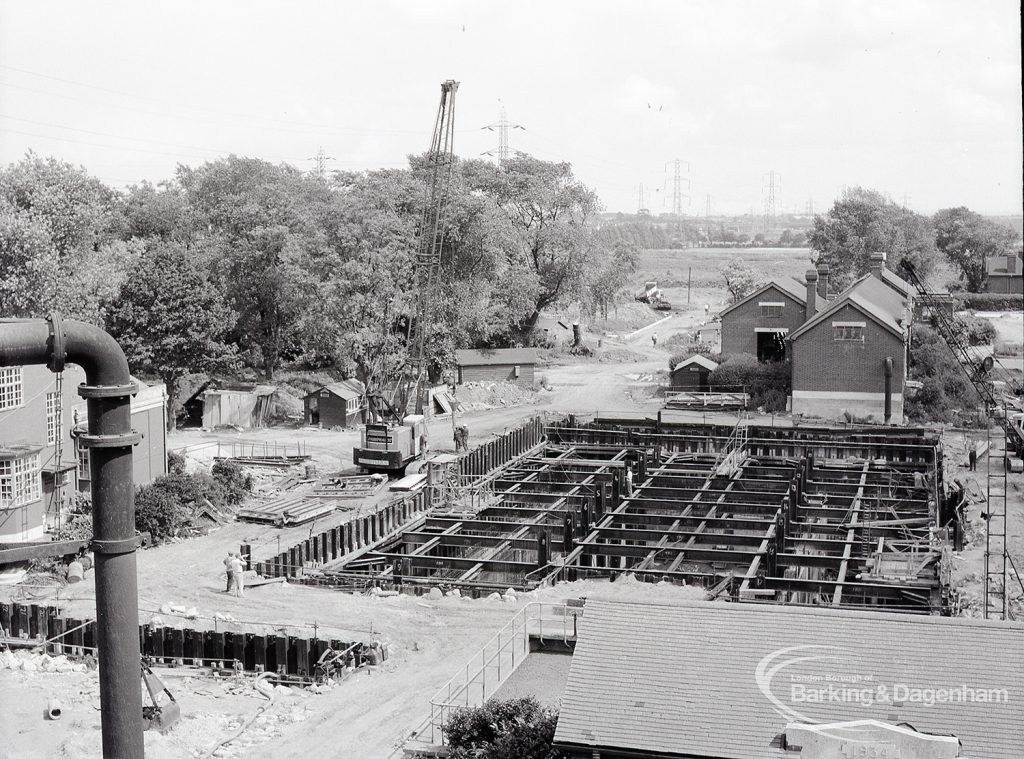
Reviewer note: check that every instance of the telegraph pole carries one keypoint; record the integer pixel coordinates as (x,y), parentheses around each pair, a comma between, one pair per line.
(502,126)
(320,159)
(707,206)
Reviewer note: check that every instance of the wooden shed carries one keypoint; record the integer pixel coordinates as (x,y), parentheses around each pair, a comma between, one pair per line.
(497,365)
(692,373)
(339,404)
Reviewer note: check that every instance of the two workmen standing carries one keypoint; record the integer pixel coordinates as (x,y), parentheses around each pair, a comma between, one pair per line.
(234,566)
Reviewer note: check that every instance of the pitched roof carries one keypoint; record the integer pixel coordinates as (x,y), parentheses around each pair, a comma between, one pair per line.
(999,266)
(340,389)
(789,286)
(897,282)
(870,296)
(698,359)
(496,356)
(704,679)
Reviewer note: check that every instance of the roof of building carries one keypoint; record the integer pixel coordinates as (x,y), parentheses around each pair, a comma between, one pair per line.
(496,356)
(870,296)
(699,360)
(340,389)
(787,285)
(897,282)
(998,266)
(704,679)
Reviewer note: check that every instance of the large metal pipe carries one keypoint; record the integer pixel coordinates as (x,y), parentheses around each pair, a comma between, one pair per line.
(110,439)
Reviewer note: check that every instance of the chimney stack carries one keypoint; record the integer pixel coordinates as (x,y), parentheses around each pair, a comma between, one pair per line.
(811,306)
(877,263)
(822,277)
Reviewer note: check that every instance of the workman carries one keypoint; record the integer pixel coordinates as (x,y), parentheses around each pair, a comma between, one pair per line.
(227,570)
(654,339)
(972,457)
(629,480)
(237,574)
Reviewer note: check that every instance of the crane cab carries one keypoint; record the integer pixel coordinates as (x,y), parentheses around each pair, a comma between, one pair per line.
(390,448)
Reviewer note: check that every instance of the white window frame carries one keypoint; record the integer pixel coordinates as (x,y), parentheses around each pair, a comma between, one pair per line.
(848,332)
(54,426)
(774,308)
(19,481)
(12,394)
(84,474)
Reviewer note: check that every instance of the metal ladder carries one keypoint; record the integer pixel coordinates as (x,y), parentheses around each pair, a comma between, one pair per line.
(996,564)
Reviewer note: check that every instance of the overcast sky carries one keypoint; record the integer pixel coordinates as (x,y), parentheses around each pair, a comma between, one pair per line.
(921,100)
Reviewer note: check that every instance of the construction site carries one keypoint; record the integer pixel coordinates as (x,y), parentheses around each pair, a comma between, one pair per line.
(718,530)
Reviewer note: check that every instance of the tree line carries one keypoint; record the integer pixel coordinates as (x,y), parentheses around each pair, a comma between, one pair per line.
(243,263)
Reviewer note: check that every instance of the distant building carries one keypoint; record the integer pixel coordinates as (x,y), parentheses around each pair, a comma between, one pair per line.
(497,365)
(696,679)
(692,373)
(42,465)
(760,323)
(1005,274)
(339,404)
(852,356)
(236,404)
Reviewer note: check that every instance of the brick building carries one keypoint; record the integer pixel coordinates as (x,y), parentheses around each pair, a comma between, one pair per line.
(761,323)
(852,355)
(41,464)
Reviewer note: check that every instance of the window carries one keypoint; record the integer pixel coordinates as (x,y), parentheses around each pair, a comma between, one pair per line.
(53,420)
(771,309)
(848,331)
(19,481)
(10,387)
(83,465)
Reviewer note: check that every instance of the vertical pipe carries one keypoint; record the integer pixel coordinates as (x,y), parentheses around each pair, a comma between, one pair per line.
(54,342)
(888,389)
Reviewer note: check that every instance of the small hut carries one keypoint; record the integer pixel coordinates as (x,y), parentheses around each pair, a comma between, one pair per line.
(691,374)
(339,404)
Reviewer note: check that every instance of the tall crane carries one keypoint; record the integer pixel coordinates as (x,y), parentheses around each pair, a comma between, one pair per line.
(1010,422)
(395,437)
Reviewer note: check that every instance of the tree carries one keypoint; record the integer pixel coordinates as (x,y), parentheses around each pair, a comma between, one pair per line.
(518,728)
(863,222)
(170,319)
(59,236)
(967,238)
(156,212)
(740,279)
(77,209)
(548,210)
(266,219)
(945,391)
(610,276)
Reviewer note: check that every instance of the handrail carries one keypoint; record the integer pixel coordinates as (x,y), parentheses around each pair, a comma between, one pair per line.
(499,657)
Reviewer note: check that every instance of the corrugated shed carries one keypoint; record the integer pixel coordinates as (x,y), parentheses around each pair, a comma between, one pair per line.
(684,679)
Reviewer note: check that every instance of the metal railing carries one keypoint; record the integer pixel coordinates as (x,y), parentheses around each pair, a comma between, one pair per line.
(499,658)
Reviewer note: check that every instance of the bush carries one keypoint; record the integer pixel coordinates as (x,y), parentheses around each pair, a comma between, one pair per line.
(518,728)
(168,506)
(989,301)
(768,384)
(236,483)
(979,331)
(175,463)
(945,390)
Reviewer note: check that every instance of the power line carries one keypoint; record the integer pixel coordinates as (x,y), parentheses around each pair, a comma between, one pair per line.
(774,181)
